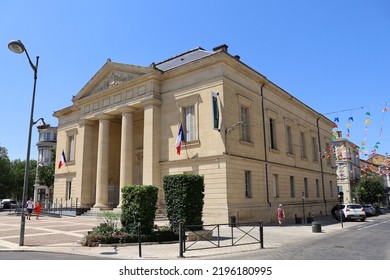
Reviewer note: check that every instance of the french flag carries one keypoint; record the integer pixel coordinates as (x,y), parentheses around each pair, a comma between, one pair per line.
(179,139)
(62,161)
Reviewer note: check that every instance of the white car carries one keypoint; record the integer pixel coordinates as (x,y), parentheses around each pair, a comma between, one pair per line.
(353,211)
(8,204)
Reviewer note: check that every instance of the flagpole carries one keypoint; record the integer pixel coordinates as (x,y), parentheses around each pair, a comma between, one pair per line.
(185,146)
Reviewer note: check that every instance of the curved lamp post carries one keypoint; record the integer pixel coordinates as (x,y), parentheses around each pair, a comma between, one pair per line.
(17,46)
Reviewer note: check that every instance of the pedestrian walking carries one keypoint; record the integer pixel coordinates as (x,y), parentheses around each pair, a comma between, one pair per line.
(281,215)
(30,207)
(38,208)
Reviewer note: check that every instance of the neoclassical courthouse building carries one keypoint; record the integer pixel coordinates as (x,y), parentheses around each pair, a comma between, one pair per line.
(255,144)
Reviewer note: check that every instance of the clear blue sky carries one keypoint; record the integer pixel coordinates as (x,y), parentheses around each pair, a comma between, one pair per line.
(332,55)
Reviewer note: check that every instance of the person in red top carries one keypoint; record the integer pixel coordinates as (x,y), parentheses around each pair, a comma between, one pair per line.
(281,215)
(38,208)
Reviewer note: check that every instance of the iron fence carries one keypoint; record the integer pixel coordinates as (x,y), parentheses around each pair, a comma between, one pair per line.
(200,237)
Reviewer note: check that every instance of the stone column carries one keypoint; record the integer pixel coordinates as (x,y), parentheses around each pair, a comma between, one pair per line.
(151,149)
(102,164)
(127,153)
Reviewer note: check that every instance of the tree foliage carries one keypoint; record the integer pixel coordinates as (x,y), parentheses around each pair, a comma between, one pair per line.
(12,176)
(370,190)
(5,168)
(45,175)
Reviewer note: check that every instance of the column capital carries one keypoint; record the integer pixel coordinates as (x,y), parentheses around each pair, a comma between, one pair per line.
(127,109)
(151,102)
(87,122)
(104,116)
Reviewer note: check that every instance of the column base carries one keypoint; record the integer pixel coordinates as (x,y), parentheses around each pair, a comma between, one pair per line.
(101,206)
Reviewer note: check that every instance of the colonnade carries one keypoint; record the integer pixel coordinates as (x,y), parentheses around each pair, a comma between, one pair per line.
(151,151)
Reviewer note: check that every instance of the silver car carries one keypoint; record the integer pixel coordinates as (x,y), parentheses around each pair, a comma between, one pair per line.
(369,209)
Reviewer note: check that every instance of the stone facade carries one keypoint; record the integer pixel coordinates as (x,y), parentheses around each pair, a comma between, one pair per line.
(254,143)
(348,168)
(46,143)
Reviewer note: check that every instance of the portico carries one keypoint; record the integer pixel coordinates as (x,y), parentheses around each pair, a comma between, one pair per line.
(115,133)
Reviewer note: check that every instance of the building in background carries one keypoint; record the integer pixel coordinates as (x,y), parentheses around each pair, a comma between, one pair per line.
(46,145)
(347,167)
(255,144)
(379,165)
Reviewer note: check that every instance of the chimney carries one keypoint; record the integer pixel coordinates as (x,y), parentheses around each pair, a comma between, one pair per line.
(221,48)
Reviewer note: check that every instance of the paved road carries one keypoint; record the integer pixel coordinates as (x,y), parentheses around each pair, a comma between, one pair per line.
(359,241)
(63,235)
(24,255)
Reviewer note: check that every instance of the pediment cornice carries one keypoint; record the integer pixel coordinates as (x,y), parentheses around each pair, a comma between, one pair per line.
(110,75)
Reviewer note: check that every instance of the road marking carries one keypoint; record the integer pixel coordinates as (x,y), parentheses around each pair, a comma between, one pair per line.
(9,245)
(373,225)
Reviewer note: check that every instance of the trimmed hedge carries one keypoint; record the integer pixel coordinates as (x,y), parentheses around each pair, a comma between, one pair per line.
(184,194)
(138,205)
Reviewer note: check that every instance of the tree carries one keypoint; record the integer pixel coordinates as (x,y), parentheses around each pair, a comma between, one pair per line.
(17,178)
(12,176)
(370,190)
(46,173)
(5,168)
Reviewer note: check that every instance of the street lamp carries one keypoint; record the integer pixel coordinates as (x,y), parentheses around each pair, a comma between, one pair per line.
(17,46)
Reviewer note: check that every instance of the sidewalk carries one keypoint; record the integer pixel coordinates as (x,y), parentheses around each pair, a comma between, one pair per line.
(64,235)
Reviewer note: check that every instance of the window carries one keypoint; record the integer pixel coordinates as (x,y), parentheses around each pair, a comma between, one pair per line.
(68,190)
(44,156)
(315,148)
(306,185)
(275,185)
(189,123)
(290,148)
(214,100)
(40,155)
(331,188)
(272,132)
(245,128)
(248,184)
(292,186)
(318,188)
(46,136)
(303,146)
(71,147)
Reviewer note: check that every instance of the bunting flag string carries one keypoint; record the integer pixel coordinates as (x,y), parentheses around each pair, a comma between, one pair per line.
(349,124)
(376,146)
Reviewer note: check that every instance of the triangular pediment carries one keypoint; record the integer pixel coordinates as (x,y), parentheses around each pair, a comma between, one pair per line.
(110,75)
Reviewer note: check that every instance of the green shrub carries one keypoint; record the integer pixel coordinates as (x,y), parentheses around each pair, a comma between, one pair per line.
(138,206)
(184,194)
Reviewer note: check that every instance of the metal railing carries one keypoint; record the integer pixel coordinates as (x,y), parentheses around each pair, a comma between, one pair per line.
(61,207)
(219,235)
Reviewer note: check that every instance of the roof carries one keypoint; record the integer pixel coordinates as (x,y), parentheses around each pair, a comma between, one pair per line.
(182,59)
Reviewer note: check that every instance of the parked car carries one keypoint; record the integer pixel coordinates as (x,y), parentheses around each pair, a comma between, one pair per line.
(352,211)
(369,209)
(9,204)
